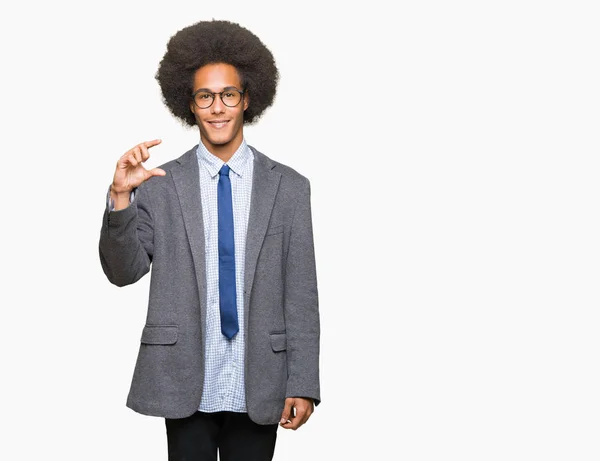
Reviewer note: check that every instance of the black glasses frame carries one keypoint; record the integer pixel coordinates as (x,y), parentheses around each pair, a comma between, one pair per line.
(220,96)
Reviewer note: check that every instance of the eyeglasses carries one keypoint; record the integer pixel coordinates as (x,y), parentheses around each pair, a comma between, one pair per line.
(204,99)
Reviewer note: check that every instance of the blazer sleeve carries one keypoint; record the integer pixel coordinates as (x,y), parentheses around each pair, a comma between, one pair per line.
(301,304)
(126,241)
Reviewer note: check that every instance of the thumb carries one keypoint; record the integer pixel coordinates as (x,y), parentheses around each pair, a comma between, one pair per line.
(156,172)
(287,410)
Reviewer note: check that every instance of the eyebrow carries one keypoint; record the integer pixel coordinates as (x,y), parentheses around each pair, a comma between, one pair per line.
(210,91)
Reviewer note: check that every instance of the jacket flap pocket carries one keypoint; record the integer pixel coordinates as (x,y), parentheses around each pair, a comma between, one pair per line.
(160,334)
(278,342)
(275,230)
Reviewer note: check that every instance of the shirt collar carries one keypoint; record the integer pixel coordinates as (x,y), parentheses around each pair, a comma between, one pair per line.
(238,162)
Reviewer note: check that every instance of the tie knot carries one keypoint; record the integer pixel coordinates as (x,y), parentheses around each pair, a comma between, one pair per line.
(224,170)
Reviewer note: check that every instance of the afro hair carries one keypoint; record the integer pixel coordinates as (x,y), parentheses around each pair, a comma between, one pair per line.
(211,42)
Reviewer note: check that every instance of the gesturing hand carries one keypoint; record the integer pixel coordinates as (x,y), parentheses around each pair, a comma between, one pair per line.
(130,172)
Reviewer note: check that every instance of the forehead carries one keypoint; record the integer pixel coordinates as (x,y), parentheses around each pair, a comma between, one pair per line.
(215,77)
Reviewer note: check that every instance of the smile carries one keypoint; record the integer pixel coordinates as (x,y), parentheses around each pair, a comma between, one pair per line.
(219,123)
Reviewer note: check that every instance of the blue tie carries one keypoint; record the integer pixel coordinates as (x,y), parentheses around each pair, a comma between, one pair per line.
(227,294)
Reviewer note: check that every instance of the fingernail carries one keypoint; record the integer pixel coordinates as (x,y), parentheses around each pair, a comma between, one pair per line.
(282,420)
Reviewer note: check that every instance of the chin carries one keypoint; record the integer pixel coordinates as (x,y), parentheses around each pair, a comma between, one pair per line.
(219,141)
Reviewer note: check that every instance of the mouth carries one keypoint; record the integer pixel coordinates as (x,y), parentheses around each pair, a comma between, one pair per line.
(218,123)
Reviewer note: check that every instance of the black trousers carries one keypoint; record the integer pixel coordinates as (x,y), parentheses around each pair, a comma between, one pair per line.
(235,435)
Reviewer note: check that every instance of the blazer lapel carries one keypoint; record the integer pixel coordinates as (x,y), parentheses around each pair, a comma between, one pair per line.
(187,184)
(265,183)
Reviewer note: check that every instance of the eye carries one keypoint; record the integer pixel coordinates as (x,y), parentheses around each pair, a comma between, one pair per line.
(204,96)
(229,94)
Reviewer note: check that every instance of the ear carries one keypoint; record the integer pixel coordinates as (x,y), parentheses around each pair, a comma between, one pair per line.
(246,100)
(192,107)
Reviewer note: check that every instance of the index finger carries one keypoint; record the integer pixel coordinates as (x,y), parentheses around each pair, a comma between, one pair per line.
(152,143)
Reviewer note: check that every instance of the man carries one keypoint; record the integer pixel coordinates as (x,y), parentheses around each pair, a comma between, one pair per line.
(230,349)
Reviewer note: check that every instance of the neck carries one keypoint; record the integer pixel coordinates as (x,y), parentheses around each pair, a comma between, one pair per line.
(223,151)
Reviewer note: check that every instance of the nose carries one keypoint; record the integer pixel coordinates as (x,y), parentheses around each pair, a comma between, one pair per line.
(217,106)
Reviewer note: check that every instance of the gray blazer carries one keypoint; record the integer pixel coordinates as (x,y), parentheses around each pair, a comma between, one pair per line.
(163,230)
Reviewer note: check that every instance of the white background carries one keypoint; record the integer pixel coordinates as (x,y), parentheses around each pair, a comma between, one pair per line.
(452,149)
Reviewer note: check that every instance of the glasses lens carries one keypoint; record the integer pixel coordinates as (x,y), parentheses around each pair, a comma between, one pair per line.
(231,98)
(203,99)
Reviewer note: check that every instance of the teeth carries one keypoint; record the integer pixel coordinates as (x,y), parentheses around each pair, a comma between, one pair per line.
(218,124)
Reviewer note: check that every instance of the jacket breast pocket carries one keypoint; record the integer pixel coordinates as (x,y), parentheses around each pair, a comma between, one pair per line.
(160,334)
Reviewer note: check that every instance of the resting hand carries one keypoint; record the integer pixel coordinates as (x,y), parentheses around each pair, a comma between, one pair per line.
(293,420)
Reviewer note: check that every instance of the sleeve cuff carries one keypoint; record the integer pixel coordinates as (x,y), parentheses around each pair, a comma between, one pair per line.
(110,203)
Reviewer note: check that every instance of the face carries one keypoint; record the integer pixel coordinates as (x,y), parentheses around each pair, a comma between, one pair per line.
(221,127)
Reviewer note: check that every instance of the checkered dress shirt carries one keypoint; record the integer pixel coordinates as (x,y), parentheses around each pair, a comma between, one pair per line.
(224,358)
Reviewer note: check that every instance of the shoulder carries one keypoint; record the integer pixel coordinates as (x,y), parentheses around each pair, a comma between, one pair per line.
(187,160)
(188,156)
(288,174)
(156,186)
